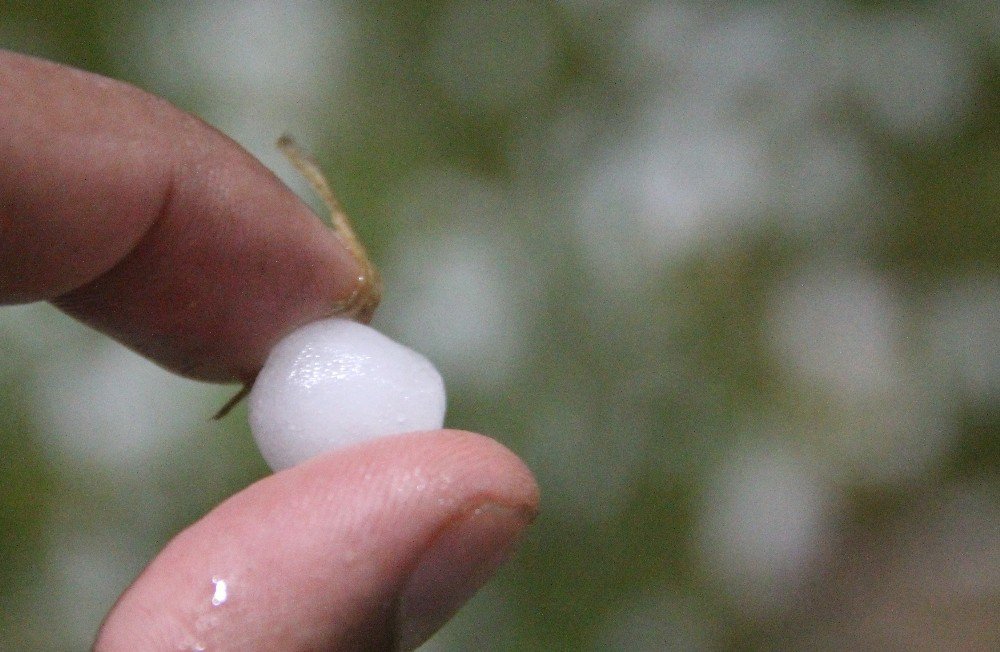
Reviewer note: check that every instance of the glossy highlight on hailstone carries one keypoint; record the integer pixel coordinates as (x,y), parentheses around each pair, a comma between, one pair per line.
(336,382)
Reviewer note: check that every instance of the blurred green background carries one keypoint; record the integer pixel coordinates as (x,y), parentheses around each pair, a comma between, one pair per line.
(724,274)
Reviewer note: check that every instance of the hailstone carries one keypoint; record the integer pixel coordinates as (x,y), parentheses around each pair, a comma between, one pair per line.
(337,382)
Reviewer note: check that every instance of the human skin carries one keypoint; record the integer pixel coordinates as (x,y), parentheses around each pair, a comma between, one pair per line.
(150,226)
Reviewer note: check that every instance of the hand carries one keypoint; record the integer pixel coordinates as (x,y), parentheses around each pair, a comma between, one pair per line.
(150,226)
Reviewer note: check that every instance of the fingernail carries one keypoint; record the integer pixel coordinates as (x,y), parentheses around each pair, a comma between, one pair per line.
(459,561)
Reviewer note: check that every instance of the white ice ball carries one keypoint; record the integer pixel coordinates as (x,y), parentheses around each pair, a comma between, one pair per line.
(336,382)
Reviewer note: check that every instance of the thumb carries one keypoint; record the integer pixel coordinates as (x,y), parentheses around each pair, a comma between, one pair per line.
(371,547)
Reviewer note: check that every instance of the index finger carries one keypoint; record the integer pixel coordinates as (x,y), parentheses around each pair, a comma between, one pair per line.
(149,225)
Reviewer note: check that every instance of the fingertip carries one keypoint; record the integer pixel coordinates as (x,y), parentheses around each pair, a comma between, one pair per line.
(377,544)
(482,454)
(153,227)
